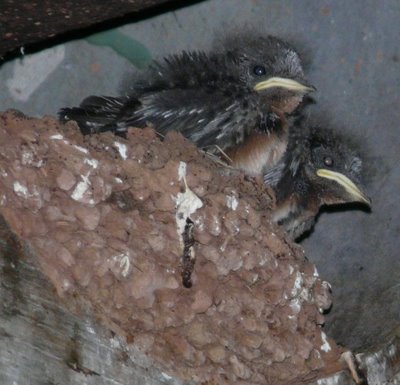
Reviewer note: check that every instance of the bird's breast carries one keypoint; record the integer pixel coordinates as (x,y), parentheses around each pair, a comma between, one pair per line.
(285,209)
(293,217)
(258,152)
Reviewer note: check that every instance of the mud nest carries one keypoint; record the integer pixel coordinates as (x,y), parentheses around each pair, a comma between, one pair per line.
(128,225)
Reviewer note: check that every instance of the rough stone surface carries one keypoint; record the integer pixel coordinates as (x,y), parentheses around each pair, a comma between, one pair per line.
(111,239)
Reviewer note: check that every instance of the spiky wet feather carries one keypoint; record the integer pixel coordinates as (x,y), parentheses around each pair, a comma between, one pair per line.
(208,97)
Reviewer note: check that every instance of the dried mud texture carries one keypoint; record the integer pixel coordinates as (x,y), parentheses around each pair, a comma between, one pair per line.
(105,217)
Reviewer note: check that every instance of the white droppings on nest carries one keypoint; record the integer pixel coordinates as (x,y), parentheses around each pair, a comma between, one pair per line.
(81,149)
(199,222)
(392,351)
(66,141)
(23,192)
(166,376)
(305,295)
(295,305)
(255,278)
(291,269)
(56,137)
(325,347)
(81,188)
(122,149)
(216,224)
(3,200)
(232,202)
(123,262)
(297,286)
(66,285)
(186,203)
(182,170)
(20,190)
(90,329)
(91,162)
(28,159)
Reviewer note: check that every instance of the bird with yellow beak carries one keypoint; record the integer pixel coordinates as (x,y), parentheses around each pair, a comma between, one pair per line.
(318,168)
(231,99)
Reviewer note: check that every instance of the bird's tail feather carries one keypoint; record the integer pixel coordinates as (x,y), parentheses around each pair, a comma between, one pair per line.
(99,114)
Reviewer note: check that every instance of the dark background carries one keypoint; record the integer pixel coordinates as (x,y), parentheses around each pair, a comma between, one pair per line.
(351,50)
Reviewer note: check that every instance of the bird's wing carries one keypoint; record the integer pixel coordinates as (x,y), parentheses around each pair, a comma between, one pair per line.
(100,113)
(206,118)
(185,92)
(274,174)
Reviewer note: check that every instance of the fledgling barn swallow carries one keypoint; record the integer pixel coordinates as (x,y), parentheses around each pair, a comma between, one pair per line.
(318,168)
(218,100)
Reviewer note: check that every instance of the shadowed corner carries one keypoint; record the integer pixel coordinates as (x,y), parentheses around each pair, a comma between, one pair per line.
(350,206)
(335,208)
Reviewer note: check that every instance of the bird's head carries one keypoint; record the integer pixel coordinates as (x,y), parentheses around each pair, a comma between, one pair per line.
(319,168)
(333,170)
(272,69)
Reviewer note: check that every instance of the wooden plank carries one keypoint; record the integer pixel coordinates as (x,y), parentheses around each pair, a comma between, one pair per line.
(27,22)
(41,342)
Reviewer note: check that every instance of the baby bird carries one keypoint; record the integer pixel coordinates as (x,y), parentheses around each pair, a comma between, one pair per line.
(222,100)
(318,168)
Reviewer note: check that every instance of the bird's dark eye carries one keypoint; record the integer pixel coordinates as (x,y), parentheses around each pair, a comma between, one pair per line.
(328,161)
(259,70)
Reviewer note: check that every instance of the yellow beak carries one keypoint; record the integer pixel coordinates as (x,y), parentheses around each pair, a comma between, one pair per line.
(288,84)
(346,183)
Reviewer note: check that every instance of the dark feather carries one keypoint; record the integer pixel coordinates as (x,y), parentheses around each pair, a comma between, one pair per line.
(208,97)
(299,190)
